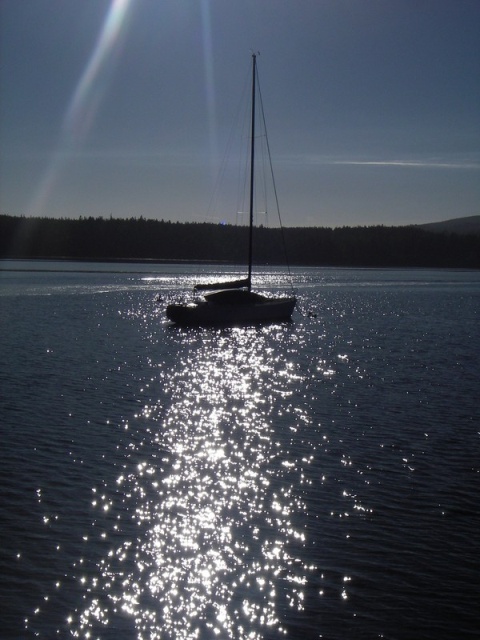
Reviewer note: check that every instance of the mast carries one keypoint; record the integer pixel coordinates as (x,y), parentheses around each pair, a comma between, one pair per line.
(252,171)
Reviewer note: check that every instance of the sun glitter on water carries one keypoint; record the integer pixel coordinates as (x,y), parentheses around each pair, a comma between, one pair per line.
(209,489)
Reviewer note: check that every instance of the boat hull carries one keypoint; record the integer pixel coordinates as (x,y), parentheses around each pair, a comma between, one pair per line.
(207,313)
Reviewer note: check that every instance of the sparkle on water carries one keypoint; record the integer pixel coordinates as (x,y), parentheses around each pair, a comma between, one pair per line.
(316,480)
(210,488)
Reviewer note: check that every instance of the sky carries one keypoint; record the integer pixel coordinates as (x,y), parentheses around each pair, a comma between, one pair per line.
(124,108)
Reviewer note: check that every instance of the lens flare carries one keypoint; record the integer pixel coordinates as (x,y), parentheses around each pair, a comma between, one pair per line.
(86,99)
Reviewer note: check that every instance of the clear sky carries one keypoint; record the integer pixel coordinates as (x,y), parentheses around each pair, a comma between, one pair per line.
(124,107)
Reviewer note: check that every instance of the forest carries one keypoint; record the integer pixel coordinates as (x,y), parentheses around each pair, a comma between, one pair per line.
(138,239)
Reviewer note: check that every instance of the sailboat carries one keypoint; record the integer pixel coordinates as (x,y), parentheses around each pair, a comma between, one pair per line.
(232,303)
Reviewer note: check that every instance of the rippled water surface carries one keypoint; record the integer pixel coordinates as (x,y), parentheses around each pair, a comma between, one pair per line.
(315,479)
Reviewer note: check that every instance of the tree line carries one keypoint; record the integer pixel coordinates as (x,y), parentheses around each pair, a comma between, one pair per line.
(142,239)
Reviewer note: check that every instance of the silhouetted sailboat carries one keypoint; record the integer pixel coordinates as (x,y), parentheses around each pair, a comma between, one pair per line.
(234,302)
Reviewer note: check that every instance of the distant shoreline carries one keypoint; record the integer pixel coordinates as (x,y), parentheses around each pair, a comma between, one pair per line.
(147,261)
(119,260)
(157,242)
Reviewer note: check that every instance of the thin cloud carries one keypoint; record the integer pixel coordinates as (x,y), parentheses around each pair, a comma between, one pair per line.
(423,164)
(427,163)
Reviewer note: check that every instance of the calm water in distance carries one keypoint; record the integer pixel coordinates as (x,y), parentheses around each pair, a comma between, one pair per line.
(315,479)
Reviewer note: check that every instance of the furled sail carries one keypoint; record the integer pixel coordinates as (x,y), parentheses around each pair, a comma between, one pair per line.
(232,284)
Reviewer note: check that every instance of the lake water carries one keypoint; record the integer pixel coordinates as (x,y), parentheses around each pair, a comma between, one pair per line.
(315,479)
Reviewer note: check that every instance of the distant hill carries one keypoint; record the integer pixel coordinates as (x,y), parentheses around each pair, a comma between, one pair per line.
(463,226)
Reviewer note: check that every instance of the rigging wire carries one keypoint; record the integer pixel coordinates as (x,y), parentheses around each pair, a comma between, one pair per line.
(277,204)
(221,176)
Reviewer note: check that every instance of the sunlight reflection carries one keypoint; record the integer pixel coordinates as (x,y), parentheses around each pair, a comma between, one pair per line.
(215,507)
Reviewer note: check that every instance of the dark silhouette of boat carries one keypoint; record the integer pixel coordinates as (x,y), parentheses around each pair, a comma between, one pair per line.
(234,302)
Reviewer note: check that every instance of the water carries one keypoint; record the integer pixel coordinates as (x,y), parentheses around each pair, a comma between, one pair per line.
(318,479)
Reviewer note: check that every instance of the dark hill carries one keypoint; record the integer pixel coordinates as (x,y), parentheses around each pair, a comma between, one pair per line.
(469,225)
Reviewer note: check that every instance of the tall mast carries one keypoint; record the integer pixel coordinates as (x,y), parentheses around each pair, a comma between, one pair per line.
(252,172)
